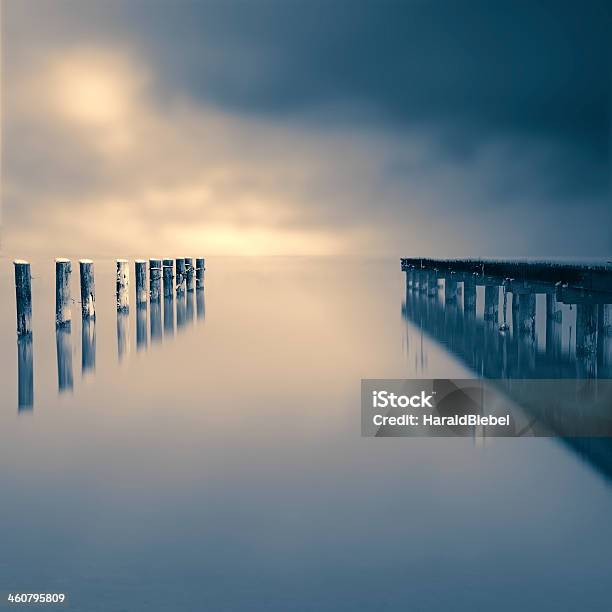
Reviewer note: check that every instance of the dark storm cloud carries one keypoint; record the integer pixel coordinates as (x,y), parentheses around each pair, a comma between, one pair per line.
(480,114)
(479,66)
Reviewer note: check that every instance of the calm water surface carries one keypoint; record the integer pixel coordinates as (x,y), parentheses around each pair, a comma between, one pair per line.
(219,464)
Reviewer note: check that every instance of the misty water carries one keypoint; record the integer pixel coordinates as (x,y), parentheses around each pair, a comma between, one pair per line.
(210,457)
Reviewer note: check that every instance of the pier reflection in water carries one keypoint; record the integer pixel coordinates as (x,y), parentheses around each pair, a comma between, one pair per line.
(530,337)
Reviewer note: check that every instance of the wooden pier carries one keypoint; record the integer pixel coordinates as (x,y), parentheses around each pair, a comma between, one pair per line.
(587,288)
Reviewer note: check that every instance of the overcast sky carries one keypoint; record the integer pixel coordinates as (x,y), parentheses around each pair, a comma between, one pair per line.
(442,128)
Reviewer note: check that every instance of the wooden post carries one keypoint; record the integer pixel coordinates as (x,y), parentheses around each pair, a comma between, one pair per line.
(200,267)
(180,274)
(155,272)
(604,340)
(88,289)
(123,285)
(189,274)
(168,278)
(141,326)
(450,288)
(140,271)
(169,314)
(63,344)
(554,316)
(586,329)
(23,290)
(432,283)
(469,295)
(25,372)
(514,311)
(491,303)
(63,314)
(123,333)
(200,306)
(526,314)
(88,345)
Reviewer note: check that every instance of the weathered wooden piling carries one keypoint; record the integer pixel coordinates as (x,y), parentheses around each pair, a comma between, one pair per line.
(168,273)
(123,334)
(63,343)
(140,271)
(526,314)
(450,288)
(180,274)
(25,372)
(141,327)
(200,305)
(169,315)
(123,285)
(420,281)
(88,345)
(554,316)
(491,303)
(604,340)
(189,274)
(432,283)
(586,329)
(155,273)
(23,290)
(88,289)
(63,271)
(200,267)
(409,276)
(469,295)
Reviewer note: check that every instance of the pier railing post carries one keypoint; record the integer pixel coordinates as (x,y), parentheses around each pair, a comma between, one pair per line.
(63,270)
(527,313)
(123,285)
(432,283)
(23,290)
(469,295)
(491,303)
(450,288)
(88,289)
(554,316)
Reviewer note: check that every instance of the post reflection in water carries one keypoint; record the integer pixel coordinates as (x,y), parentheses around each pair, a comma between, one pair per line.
(169,314)
(123,334)
(181,309)
(63,341)
(156,322)
(200,305)
(190,308)
(141,327)
(25,373)
(88,345)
